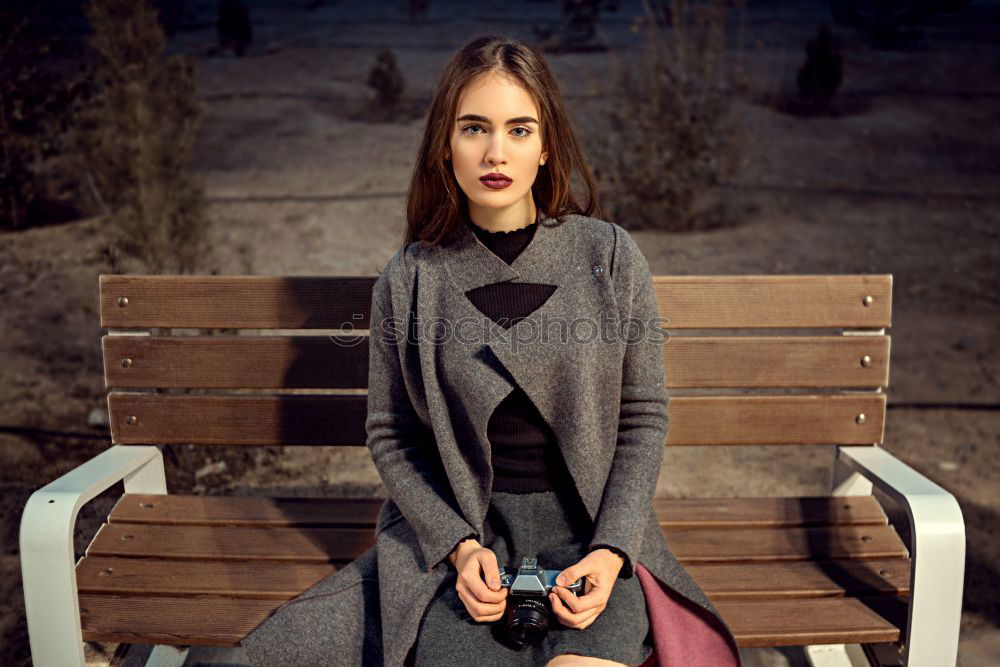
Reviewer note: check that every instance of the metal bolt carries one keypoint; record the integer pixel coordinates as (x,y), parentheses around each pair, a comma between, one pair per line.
(868,300)
(146,505)
(860,418)
(122,301)
(866,361)
(132,420)
(127,362)
(866,538)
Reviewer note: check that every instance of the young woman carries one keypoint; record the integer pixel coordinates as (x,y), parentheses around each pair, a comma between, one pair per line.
(516,409)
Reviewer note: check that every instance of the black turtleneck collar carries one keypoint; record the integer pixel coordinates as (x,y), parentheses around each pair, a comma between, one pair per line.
(507,245)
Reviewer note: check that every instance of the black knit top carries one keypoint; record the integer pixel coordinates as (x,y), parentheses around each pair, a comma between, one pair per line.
(524,451)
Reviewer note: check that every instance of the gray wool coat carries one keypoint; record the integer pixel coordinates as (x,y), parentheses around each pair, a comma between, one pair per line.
(590,359)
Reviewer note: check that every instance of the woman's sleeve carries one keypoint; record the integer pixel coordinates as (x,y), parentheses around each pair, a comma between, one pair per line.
(403,448)
(642,422)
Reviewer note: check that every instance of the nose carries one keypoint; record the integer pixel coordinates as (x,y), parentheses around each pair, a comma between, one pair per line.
(494,152)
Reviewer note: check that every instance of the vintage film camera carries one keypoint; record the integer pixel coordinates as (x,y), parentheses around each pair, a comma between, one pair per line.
(528,606)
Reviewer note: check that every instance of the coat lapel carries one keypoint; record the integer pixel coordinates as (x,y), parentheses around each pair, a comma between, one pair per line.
(552,354)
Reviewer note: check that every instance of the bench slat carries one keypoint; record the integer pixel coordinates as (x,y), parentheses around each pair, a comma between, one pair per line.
(822,419)
(328,302)
(759,623)
(282,581)
(239,302)
(309,545)
(318,545)
(265,362)
(360,512)
(224,621)
(803,579)
(243,579)
(776,361)
(247,362)
(178,510)
(173,621)
(704,545)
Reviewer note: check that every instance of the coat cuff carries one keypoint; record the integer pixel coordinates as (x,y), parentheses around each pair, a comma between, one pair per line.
(627,568)
(474,536)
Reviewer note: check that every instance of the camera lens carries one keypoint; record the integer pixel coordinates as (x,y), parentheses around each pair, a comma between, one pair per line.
(528,623)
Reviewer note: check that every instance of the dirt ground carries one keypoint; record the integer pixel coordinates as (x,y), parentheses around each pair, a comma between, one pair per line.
(902,180)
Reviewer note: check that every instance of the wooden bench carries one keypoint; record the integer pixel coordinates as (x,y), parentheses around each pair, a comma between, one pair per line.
(808,369)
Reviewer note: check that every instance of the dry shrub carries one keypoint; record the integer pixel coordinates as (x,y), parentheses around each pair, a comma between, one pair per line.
(33,96)
(670,138)
(135,142)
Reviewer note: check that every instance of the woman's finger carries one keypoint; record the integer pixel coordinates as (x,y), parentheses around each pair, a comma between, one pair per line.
(577,604)
(480,610)
(472,576)
(570,619)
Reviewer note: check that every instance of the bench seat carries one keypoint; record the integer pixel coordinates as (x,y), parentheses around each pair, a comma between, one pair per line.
(206,570)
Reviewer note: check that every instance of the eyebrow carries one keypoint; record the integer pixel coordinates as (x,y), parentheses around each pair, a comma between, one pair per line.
(484,119)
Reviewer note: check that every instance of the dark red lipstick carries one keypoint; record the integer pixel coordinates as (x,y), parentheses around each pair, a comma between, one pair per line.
(496,180)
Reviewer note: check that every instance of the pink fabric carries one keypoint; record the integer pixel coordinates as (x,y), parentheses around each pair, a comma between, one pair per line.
(684,634)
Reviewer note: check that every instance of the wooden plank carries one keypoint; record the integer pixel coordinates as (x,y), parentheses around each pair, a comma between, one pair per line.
(249,362)
(171,621)
(315,419)
(803,579)
(269,580)
(821,419)
(736,545)
(239,302)
(178,510)
(757,623)
(816,419)
(285,580)
(779,301)
(765,512)
(776,361)
(328,302)
(221,621)
(266,362)
(320,545)
(306,545)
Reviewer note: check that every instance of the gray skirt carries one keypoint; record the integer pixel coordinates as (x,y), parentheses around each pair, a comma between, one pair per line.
(558,532)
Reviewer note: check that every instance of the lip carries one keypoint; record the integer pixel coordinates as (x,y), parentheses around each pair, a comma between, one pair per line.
(496,180)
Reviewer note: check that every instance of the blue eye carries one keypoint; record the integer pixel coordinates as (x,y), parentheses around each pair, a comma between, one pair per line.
(519,136)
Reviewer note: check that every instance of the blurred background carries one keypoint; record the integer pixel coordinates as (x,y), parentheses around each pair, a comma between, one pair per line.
(277,138)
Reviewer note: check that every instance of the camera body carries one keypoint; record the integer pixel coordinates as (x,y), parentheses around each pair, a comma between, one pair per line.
(528,609)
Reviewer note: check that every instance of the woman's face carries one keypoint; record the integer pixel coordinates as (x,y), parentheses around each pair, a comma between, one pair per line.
(497,130)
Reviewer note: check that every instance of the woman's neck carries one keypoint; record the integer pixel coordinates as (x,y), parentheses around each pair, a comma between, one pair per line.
(506,220)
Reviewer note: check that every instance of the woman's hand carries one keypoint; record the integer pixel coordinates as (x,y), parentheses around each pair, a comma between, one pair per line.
(477,567)
(600,568)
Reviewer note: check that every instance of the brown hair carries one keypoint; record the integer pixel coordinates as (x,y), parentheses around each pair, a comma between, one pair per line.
(435,202)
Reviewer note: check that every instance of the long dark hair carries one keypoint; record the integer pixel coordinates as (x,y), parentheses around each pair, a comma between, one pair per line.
(435,202)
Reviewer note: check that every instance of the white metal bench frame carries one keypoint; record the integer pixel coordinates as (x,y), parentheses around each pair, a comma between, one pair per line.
(937,555)
(53,610)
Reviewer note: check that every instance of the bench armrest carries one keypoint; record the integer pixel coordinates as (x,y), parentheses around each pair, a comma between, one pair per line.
(937,554)
(48,567)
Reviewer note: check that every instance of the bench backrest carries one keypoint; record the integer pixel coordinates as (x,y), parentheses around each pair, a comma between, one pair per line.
(774,359)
